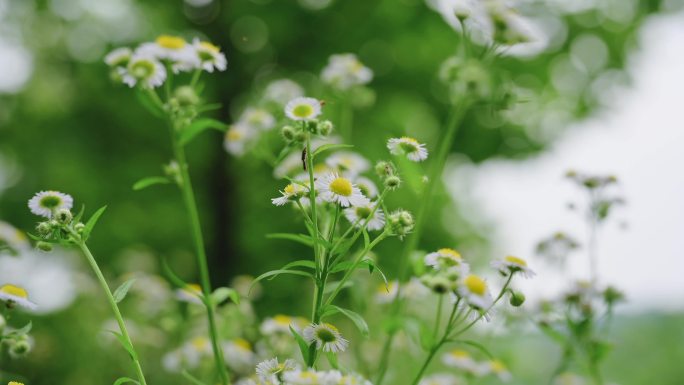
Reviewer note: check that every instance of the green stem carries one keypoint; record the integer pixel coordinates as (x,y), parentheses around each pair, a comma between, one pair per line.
(195,77)
(196,228)
(425,199)
(438,318)
(115,308)
(498,298)
(427,361)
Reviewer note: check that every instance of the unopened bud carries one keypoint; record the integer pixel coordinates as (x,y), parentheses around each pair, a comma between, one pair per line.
(20,348)
(186,96)
(43,228)
(517,298)
(325,127)
(44,246)
(288,133)
(64,216)
(392,182)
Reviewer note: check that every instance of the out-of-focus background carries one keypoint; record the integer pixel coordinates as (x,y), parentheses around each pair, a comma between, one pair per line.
(604,97)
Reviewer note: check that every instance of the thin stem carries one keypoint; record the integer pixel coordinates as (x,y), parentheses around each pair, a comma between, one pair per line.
(115,308)
(196,229)
(425,199)
(195,77)
(498,297)
(427,361)
(438,318)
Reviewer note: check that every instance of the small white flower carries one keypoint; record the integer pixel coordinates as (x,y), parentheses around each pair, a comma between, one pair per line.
(443,258)
(13,238)
(282,91)
(192,293)
(237,138)
(272,372)
(258,118)
(337,189)
(410,147)
(46,203)
(238,355)
(281,324)
(303,108)
(360,214)
(441,379)
(386,293)
(181,55)
(326,337)
(292,192)
(15,295)
(144,70)
(119,57)
(345,71)
(475,291)
(461,359)
(303,377)
(496,368)
(511,264)
(194,350)
(173,361)
(348,163)
(349,379)
(568,378)
(367,187)
(209,56)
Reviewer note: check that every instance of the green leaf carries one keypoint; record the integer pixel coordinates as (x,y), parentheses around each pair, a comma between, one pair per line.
(303,347)
(149,181)
(92,222)
(125,380)
(300,263)
(332,286)
(332,359)
(26,329)
(426,335)
(195,128)
(328,147)
(128,347)
(299,238)
(223,293)
(356,318)
(121,291)
(78,216)
(192,378)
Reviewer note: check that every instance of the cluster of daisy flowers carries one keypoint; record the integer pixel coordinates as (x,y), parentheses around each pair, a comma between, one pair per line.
(288,372)
(238,353)
(148,64)
(17,341)
(472,368)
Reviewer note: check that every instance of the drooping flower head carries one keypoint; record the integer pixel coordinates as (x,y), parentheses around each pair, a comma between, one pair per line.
(16,295)
(291,193)
(209,56)
(326,337)
(443,258)
(511,264)
(119,57)
(410,147)
(303,108)
(338,189)
(47,203)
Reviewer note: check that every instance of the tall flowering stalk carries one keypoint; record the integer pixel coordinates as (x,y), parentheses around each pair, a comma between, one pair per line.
(61,227)
(152,65)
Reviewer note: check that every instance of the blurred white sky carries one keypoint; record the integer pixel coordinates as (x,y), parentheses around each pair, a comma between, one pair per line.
(640,138)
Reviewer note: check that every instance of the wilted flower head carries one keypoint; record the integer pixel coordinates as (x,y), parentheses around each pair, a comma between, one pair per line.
(47,203)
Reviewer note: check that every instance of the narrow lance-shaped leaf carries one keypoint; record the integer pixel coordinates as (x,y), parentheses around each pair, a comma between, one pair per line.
(197,127)
(125,380)
(328,147)
(92,222)
(150,181)
(303,347)
(121,291)
(356,318)
(223,293)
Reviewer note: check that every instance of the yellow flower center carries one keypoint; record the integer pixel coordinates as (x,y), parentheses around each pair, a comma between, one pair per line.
(290,189)
(234,135)
(516,260)
(282,319)
(341,186)
(459,354)
(15,383)
(303,111)
(476,284)
(308,375)
(170,42)
(199,343)
(242,343)
(14,291)
(497,366)
(193,288)
(409,145)
(209,47)
(450,253)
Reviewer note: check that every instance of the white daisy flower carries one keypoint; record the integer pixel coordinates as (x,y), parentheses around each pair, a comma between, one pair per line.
(237,138)
(13,238)
(194,350)
(475,291)
(119,57)
(461,359)
(281,324)
(238,355)
(191,293)
(173,361)
(337,189)
(326,337)
(511,264)
(176,50)
(291,193)
(46,203)
(568,378)
(345,71)
(15,295)
(272,372)
(367,186)
(144,70)
(282,91)
(348,163)
(258,118)
(358,215)
(498,369)
(209,56)
(386,293)
(410,147)
(303,377)
(303,108)
(441,379)
(348,379)
(443,258)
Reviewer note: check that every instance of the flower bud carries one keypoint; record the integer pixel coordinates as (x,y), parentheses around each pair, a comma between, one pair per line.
(43,228)
(384,169)
(401,222)
(440,284)
(44,246)
(300,136)
(517,298)
(186,96)
(20,348)
(288,133)
(79,227)
(64,216)
(325,127)
(392,182)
